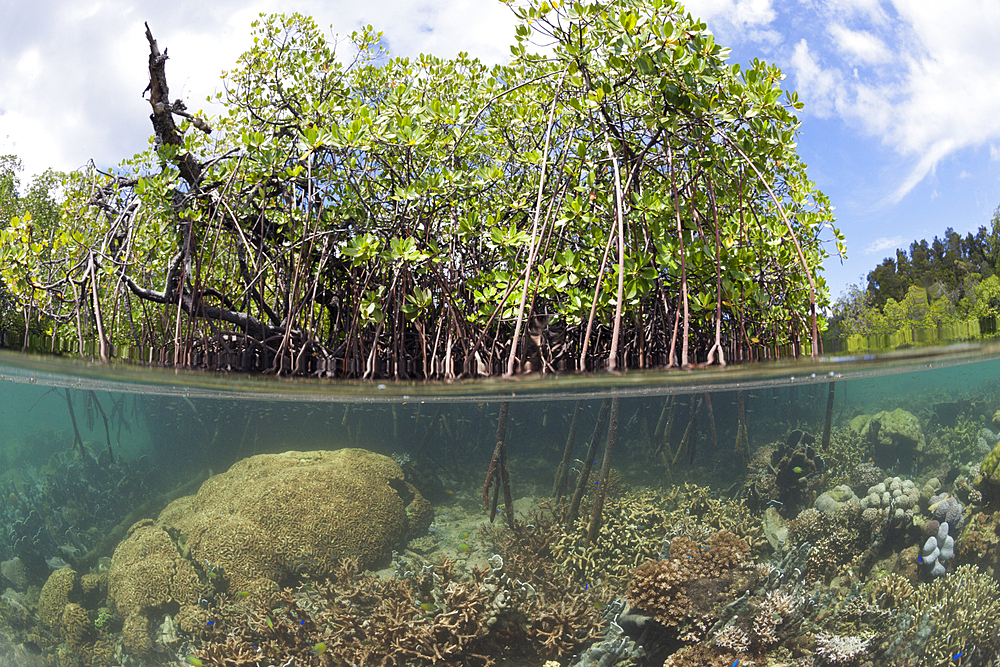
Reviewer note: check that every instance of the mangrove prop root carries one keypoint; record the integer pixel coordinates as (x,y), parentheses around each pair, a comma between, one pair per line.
(562,472)
(581,486)
(742,442)
(498,473)
(104,416)
(690,432)
(77,440)
(829,417)
(595,517)
(711,420)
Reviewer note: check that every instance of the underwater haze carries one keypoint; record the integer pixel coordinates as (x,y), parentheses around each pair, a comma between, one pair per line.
(841,512)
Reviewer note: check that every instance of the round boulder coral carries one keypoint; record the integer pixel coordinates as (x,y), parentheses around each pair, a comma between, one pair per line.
(265,522)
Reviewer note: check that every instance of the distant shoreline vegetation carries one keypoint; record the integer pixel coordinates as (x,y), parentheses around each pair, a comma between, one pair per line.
(946,290)
(627,200)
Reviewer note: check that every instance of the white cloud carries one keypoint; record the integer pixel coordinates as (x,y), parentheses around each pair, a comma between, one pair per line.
(883,243)
(742,14)
(924,88)
(860,46)
(821,89)
(750,20)
(71,75)
(868,11)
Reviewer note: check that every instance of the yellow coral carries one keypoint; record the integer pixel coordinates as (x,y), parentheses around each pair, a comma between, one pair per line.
(266,521)
(148,573)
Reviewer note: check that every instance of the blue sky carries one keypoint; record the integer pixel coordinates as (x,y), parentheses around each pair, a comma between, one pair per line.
(901,126)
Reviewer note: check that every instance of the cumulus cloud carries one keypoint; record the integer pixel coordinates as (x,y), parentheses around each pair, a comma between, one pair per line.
(71,72)
(746,19)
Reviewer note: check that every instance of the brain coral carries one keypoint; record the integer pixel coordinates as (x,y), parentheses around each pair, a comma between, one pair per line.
(62,586)
(266,520)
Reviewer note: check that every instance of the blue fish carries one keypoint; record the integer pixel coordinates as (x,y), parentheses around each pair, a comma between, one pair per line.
(735,663)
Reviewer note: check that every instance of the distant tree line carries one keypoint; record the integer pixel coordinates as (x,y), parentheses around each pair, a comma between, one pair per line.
(948,281)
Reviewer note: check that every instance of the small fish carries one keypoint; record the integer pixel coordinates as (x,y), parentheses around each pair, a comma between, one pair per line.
(429,606)
(464,535)
(32,648)
(319,648)
(599,606)
(449,492)
(464,548)
(213,575)
(269,623)
(210,624)
(194,661)
(956,656)
(797,470)
(735,663)
(56,563)
(243,595)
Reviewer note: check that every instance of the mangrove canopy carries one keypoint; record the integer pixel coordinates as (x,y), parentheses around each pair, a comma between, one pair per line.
(617,196)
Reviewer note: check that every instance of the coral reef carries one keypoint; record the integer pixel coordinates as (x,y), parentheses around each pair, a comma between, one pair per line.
(797,467)
(633,528)
(834,499)
(899,495)
(962,610)
(945,508)
(937,550)
(267,520)
(896,434)
(684,590)
(838,650)
(15,573)
(357,618)
(866,475)
(151,574)
(62,587)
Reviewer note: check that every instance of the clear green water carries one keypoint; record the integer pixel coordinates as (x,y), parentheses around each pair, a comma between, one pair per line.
(145,437)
